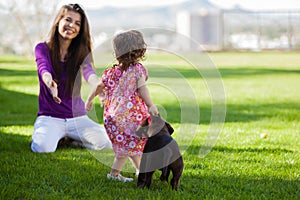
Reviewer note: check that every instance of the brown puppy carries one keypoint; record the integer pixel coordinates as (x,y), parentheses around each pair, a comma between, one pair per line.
(69,142)
(160,152)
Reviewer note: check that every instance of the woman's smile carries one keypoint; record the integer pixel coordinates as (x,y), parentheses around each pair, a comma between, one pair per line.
(69,26)
(69,30)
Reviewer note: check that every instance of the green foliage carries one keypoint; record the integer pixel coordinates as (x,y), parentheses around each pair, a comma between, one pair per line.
(262,95)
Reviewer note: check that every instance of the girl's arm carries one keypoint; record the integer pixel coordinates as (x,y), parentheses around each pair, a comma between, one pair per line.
(144,92)
(98,90)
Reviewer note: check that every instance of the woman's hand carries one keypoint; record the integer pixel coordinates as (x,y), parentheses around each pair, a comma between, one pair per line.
(54,92)
(51,84)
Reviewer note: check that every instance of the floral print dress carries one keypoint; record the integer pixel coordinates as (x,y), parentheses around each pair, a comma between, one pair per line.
(124,109)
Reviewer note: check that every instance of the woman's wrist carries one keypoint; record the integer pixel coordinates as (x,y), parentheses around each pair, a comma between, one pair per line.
(49,83)
(47,78)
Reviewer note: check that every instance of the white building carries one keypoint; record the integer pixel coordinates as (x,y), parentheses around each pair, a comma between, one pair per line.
(204,29)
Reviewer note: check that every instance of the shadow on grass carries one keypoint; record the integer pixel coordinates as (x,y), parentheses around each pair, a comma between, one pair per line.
(253,71)
(238,112)
(16,59)
(17,108)
(225,72)
(20,109)
(195,149)
(14,142)
(8,72)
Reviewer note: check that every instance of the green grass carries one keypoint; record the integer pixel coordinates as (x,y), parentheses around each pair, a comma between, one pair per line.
(262,95)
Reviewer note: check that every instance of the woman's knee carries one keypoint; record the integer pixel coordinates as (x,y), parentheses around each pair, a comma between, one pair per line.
(95,138)
(42,143)
(99,144)
(42,147)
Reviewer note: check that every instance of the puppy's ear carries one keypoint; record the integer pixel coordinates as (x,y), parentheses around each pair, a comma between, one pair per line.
(142,129)
(170,128)
(157,123)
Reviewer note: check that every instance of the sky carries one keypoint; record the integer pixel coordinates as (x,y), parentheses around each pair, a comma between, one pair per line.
(121,3)
(247,4)
(259,4)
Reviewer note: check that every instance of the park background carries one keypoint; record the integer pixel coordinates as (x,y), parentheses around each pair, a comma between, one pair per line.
(255,55)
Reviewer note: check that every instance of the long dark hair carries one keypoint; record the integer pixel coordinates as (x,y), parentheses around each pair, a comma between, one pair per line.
(129,48)
(78,50)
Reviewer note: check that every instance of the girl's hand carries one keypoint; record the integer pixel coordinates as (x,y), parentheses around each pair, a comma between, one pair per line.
(102,99)
(96,91)
(54,92)
(89,105)
(153,110)
(100,89)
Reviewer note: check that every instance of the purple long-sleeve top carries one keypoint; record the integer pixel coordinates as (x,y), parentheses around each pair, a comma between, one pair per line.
(69,106)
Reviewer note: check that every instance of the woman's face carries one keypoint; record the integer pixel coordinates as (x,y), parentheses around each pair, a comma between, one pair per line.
(69,25)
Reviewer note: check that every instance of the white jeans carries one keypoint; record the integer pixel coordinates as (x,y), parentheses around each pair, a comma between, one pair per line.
(49,130)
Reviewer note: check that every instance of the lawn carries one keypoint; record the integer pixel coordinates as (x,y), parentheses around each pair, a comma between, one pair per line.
(261,95)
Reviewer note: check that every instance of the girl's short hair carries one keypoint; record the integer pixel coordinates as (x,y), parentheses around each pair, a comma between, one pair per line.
(129,48)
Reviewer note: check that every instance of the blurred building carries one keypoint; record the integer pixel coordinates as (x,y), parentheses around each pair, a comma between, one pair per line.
(190,25)
(204,28)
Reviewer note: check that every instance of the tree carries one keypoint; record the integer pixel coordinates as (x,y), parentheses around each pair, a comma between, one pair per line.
(28,22)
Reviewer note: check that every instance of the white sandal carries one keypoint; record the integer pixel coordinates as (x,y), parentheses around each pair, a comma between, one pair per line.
(119,177)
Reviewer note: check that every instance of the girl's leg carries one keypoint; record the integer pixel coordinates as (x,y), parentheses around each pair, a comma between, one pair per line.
(47,132)
(118,165)
(136,161)
(116,169)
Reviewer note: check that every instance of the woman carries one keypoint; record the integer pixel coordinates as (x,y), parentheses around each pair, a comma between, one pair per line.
(61,62)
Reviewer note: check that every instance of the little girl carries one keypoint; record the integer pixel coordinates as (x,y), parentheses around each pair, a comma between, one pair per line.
(126,101)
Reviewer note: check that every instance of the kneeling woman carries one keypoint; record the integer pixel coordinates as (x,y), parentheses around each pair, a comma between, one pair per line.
(61,61)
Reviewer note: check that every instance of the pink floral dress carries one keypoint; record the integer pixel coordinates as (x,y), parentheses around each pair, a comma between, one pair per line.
(124,109)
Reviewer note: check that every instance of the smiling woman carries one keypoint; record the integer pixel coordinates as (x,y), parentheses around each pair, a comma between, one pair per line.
(69,25)
(60,63)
